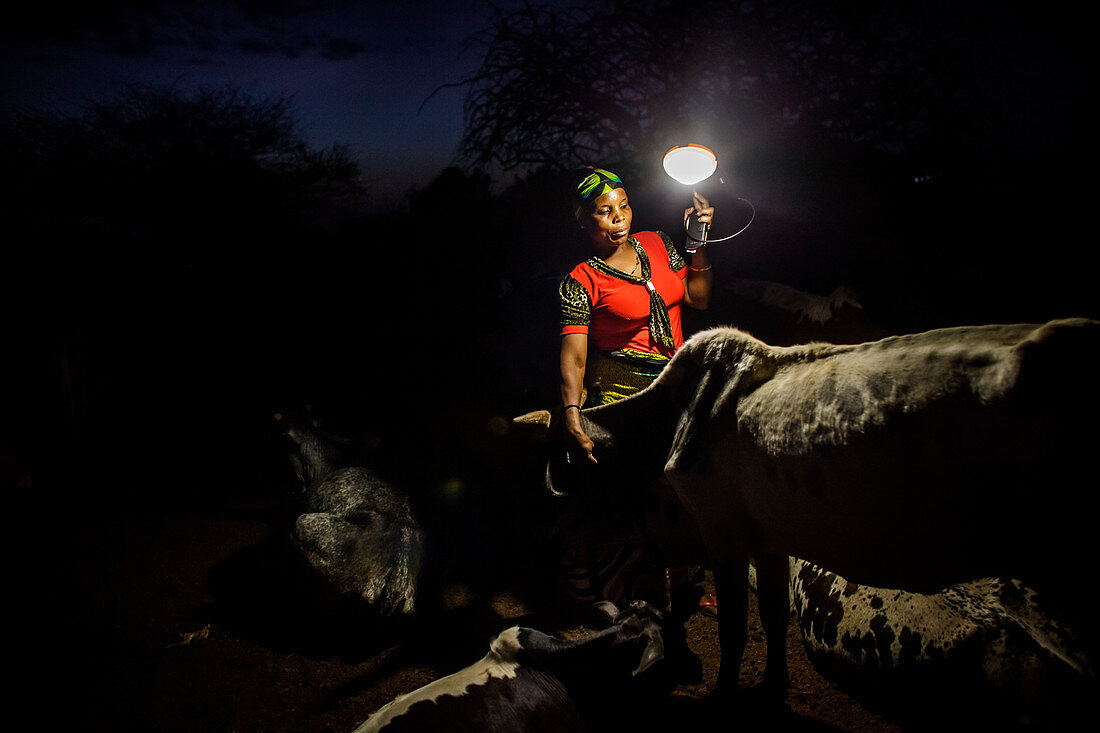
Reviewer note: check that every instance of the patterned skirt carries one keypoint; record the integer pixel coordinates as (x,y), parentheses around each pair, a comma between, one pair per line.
(611,376)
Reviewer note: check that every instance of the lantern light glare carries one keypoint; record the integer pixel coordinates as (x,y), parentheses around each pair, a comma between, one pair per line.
(690,163)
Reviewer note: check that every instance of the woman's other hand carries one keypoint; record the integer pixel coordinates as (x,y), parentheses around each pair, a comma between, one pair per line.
(578,435)
(574,357)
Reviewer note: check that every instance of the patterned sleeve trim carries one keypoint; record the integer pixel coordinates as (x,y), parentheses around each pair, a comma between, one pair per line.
(576,309)
(675,260)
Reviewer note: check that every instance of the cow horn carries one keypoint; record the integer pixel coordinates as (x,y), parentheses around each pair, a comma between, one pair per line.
(543,417)
(654,652)
(538,417)
(609,609)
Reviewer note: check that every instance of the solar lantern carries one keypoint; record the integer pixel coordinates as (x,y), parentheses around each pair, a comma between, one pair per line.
(690,164)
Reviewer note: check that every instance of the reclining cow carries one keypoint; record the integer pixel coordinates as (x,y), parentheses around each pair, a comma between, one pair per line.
(912,462)
(357,537)
(530,680)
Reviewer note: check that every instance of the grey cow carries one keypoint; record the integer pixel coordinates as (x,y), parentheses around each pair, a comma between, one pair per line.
(912,462)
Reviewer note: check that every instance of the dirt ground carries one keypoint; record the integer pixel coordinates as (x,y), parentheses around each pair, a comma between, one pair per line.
(154,620)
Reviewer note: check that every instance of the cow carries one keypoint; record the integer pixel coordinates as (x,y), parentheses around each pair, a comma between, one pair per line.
(913,462)
(782,315)
(358,535)
(985,645)
(530,680)
(313,451)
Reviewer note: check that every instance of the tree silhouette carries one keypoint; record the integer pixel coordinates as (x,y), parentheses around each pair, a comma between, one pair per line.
(194,169)
(160,264)
(611,80)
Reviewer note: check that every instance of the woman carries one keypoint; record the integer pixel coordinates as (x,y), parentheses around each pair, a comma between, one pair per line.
(620,317)
(607,304)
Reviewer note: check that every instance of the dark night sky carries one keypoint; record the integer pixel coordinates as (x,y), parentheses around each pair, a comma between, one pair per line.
(359,72)
(362,74)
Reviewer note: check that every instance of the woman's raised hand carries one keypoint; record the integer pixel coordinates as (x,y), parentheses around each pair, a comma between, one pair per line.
(701,207)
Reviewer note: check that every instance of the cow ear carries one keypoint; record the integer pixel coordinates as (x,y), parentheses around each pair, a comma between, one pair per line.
(732,365)
(690,421)
(538,417)
(654,652)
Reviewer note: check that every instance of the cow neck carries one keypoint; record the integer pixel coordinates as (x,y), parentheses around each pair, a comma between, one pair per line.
(600,266)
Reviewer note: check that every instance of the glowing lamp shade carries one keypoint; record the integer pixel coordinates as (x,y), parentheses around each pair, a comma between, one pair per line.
(690,164)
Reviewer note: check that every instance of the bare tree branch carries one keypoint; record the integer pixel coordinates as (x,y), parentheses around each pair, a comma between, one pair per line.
(561,86)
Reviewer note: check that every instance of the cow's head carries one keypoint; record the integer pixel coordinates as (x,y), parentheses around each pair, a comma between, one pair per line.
(638,627)
(549,426)
(639,437)
(631,439)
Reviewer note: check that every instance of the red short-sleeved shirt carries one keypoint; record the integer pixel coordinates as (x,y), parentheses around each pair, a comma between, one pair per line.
(613,309)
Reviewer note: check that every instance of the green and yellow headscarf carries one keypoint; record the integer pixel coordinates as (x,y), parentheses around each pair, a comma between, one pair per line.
(595,183)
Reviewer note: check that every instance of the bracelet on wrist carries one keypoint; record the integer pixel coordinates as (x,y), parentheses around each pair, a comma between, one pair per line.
(568,406)
(700,269)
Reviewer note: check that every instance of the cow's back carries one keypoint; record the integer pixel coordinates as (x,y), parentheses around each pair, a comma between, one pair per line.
(914,461)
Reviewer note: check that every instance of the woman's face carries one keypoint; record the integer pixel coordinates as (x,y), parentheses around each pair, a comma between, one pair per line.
(608,224)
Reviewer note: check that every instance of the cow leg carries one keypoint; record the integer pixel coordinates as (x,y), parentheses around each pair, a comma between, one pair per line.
(774,599)
(731,585)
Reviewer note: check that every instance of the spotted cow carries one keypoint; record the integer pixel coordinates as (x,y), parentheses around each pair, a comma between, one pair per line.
(911,462)
(986,644)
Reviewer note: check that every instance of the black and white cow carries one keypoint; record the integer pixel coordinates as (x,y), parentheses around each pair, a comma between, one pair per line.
(912,462)
(530,680)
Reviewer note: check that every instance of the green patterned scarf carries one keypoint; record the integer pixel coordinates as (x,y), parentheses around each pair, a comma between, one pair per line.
(660,327)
